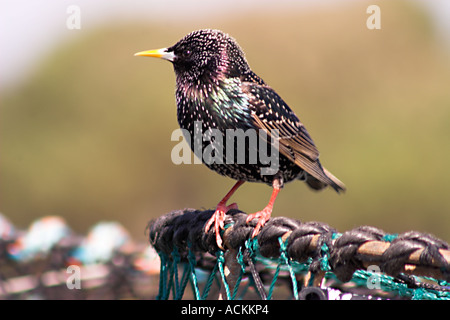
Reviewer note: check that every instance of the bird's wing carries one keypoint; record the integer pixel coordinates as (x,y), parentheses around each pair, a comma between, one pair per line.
(270,112)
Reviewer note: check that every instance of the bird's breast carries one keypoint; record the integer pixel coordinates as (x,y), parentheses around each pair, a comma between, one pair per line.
(217,104)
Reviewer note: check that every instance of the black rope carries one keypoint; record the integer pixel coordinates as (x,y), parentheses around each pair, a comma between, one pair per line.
(407,243)
(182,227)
(300,242)
(344,260)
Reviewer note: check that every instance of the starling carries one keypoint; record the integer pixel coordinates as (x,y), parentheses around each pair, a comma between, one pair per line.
(216,87)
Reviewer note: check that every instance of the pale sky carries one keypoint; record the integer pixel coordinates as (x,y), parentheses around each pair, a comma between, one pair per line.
(30,29)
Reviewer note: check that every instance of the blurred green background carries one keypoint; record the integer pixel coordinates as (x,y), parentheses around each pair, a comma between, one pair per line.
(86,135)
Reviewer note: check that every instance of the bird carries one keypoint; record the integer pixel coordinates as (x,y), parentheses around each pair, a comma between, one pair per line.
(216,87)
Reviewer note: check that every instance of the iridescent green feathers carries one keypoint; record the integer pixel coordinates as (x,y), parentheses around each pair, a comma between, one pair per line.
(215,85)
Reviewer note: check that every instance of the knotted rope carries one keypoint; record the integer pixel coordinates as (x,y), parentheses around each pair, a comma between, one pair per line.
(313,249)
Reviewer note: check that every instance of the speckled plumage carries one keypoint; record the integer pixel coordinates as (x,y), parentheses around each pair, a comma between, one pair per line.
(215,85)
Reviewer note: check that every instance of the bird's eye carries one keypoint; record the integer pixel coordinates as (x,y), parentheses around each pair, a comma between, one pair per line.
(187,53)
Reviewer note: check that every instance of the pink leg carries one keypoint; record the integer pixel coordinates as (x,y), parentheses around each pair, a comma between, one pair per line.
(218,217)
(264,214)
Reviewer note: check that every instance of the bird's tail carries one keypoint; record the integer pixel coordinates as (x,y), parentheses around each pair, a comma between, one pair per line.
(336,184)
(327,179)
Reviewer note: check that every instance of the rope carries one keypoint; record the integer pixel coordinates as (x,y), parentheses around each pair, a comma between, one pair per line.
(312,249)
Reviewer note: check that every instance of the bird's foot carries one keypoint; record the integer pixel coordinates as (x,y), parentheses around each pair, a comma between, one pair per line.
(263,216)
(218,219)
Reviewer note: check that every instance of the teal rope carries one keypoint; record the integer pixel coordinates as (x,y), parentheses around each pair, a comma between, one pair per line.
(193,276)
(221,262)
(390,237)
(285,259)
(325,258)
(162,276)
(169,278)
(388,284)
(165,280)
(240,260)
(209,282)
(251,246)
(176,260)
(442,283)
(274,280)
(184,280)
(170,284)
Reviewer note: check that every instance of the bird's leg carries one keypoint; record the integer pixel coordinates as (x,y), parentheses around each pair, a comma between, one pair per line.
(218,217)
(264,215)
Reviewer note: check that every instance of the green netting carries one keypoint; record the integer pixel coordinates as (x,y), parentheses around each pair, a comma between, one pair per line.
(171,283)
(290,254)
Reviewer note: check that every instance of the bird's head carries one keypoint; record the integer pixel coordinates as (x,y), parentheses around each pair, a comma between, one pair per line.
(203,56)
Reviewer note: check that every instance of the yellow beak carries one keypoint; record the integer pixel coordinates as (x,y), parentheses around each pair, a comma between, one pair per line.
(158,53)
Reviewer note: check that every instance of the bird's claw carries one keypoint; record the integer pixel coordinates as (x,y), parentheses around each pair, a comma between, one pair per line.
(263,216)
(218,219)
